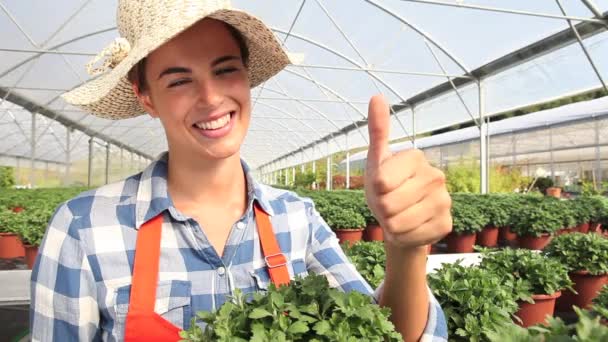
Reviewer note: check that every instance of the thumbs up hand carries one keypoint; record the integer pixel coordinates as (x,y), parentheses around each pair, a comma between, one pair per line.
(405,193)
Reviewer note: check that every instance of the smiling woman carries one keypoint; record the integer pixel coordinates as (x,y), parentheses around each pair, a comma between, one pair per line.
(135,260)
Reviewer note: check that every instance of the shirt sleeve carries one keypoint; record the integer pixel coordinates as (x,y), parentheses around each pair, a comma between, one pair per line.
(327,258)
(63,292)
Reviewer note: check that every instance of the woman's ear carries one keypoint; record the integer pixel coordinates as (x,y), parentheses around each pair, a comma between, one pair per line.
(145,100)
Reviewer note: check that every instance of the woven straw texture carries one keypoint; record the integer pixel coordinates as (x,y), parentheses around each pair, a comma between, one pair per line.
(144,25)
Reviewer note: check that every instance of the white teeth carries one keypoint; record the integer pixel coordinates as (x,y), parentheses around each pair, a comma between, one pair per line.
(215,124)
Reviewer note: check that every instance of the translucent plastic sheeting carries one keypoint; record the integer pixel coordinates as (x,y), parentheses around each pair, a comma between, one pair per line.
(346,51)
(569,126)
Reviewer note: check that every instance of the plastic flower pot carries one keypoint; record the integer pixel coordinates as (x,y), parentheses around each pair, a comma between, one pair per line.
(10,246)
(554,192)
(17,209)
(30,255)
(506,235)
(583,227)
(488,237)
(595,227)
(373,232)
(461,243)
(588,287)
(534,242)
(537,312)
(349,235)
(565,231)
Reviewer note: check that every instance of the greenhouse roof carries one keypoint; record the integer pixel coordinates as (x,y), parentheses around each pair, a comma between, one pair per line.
(416,52)
(571,113)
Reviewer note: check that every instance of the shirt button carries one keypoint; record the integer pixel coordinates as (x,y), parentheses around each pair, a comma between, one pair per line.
(240,225)
(221,271)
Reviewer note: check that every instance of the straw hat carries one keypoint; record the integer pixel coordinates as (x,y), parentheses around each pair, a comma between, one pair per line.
(144,25)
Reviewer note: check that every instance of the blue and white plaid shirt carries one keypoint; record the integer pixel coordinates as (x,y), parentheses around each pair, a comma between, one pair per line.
(81,280)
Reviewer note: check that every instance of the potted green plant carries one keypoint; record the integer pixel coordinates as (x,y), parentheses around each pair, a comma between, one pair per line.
(475,301)
(369,259)
(536,223)
(511,203)
(600,304)
(467,220)
(373,231)
(346,223)
(586,258)
(583,212)
(306,310)
(32,226)
(546,277)
(598,208)
(567,213)
(585,328)
(494,208)
(10,245)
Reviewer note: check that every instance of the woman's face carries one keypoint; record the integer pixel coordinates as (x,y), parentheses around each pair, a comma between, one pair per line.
(197,85)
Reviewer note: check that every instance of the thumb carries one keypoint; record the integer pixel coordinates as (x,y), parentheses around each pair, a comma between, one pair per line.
(378,124)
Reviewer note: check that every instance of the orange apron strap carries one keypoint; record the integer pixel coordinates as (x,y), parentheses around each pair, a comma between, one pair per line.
(275,259)
(145,266)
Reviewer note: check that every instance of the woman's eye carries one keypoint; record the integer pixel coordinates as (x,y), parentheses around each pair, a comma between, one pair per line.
(225,71)
(178,83)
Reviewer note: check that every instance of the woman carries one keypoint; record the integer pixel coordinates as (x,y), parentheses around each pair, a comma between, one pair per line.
(137,259)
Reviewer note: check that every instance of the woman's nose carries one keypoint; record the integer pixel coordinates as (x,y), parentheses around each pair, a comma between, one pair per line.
(209,94)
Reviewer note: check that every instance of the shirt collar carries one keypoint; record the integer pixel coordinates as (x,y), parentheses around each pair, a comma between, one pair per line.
(153,196)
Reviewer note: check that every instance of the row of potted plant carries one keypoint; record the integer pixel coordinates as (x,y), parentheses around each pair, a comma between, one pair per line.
(22,232)
(532,220)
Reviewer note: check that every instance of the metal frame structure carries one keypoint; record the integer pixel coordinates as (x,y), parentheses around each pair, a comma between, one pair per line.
(303,145)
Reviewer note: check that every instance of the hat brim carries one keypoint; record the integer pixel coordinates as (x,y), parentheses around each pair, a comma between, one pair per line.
(111,95)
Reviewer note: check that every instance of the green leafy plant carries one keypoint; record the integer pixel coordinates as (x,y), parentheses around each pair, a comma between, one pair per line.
(476,301)
(537,217)
(543,274)
(7,177)
(586,328)
(466,218)
(600,303)
(595,205)
(306,310)
(344,219)
(496,207)
(369,259)
(543,183)
(580,252)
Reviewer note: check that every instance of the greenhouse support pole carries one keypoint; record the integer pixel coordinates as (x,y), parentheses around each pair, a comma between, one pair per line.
(328,176)
(90,167)
(598,160)
(107,163)
(483,160)
(68,155)
(347,163)
(414,127)
(293,175)
(32,149)
(314,167)
(513,149)
(302,167)
(551,153)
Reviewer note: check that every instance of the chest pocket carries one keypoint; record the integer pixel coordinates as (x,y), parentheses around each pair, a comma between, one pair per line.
(172,303)
(261,277)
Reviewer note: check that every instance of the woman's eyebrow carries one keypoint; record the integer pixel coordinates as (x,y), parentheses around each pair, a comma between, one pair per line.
(174,70)
(224,59)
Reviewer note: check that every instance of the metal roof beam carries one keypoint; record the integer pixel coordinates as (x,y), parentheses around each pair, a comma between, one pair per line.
(35,108)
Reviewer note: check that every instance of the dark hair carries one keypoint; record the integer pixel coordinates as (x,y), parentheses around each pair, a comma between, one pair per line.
(137,74)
